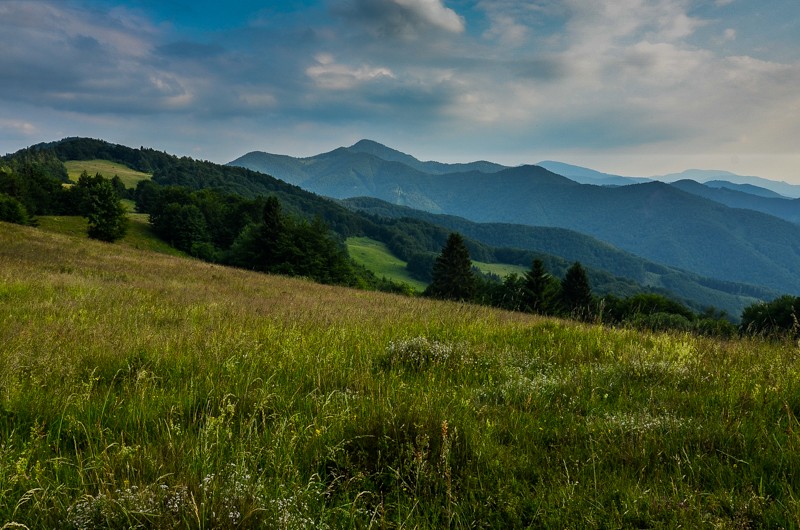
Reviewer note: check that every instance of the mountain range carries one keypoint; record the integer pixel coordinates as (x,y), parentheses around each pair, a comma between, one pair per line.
(683,226)
(415,235)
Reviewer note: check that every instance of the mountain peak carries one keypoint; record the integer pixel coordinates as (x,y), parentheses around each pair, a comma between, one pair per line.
(374,148)
(366,143)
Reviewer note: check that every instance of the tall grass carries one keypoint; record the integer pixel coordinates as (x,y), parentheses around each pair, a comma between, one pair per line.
(149,391)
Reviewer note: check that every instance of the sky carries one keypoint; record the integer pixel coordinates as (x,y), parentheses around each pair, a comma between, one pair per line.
(630,87)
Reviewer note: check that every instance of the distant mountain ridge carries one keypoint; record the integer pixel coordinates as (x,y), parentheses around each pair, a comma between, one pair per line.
(706,175)
(584,175)
(776,205)
(434,168)
(653,220)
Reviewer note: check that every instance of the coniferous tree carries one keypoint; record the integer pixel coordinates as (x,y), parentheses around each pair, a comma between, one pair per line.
(452,272)
(536,282)
(576,294)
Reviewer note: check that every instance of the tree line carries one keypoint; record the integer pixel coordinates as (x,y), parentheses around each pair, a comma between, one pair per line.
(34,184)
(538,291)
(255,234)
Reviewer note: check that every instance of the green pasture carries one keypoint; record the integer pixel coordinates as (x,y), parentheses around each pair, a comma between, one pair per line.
(129,177)
(377,258)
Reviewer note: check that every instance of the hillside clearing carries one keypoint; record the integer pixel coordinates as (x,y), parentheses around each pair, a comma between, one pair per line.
(376,257)
(144,390)
(129,177)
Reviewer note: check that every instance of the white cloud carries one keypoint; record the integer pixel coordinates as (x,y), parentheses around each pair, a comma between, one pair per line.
(328,74)
(20,127)
(435,13)
(506,30)
(405,19)
(729,35)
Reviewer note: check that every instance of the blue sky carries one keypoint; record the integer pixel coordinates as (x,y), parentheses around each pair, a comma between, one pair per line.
(634,87)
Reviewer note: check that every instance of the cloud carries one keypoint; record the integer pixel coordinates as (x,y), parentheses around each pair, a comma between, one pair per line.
(81,61)
(635,75)
(729,35)
(406,19)
(21,127)
(330,75)
(507,30)
(434,13)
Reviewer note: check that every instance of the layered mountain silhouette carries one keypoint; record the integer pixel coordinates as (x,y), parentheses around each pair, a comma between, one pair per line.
(654,220)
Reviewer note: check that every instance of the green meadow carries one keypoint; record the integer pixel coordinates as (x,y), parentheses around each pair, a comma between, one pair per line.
(377,258)
(145,390)
(129,177)
(500,269)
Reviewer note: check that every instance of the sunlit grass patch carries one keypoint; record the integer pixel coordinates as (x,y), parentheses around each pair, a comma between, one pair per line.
(129,177)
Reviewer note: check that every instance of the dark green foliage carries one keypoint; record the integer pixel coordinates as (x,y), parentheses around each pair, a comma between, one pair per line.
(120,189)
(283,245)
(181,225)
(30,180)
(776,318)
(644,304)
(248,233)
(13,211)
(537,284)
(420,265)
(514,293)
(97,200)
(661,322)
(452,277)
(576,293)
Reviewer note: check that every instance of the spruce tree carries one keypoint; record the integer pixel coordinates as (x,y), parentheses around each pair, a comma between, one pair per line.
(452,272)
(536,280)
(576,294)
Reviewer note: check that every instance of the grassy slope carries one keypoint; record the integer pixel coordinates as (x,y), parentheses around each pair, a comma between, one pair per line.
(139,235)
(500,269)
(128,176)
(142,389)
(376,257)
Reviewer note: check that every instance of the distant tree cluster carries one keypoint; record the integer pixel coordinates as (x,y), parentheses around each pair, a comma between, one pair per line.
(538,291)
(34,182)
(254,234)
(779,318)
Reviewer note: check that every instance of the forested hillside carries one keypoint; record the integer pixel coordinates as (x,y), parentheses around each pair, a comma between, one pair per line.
(781,207)
(572,246)
(653,220)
